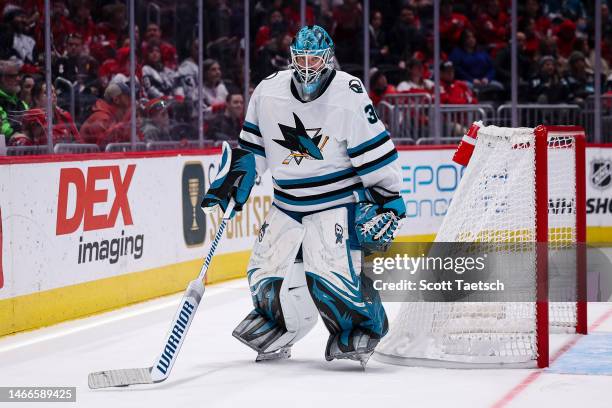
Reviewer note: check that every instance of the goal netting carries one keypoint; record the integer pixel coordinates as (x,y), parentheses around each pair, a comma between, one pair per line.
(522,192)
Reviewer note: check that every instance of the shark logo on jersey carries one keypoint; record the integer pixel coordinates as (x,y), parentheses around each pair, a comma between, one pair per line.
(302,143)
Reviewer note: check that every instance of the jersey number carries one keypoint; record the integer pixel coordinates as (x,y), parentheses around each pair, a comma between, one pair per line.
(371,113)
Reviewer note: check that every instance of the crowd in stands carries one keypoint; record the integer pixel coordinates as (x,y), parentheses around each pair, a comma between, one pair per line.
(91,59)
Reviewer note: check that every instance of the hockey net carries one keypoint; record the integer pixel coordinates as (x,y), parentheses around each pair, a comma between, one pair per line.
(521,186)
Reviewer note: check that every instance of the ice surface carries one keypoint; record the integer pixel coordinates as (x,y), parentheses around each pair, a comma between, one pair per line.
(215,370)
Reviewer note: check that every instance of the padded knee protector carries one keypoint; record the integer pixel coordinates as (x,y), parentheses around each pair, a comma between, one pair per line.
(284,313)
(283,309)
(345,297)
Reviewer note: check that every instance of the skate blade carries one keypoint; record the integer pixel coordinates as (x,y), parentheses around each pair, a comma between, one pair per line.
(363,358)
(281,354)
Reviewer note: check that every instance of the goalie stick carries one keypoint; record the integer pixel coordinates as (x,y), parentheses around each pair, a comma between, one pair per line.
(178,331)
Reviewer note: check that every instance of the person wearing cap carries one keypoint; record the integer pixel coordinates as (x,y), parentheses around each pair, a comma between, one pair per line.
(453,91)
(34,121)
(14,42)
(547,86)
(11,107)
(110,118)
(156,125)
(581,83)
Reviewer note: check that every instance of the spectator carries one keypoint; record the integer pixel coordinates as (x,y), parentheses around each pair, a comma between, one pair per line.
(35,121)
(542,24)
(379,87)
(493,26)
(407,36)
(379,48)
(472,65)
(565,38)
(11,107)
(416,82)
(580,82)
(14,42)
(273,29)
(187,79)
(275,56)
(348,23)
(110,118)
(503,62)
(582,45)
(217,20)
(547,86)
(118,65)
(454,91)
(213,89)
(83,24)
(153,35)
(25,89)
(61,25)
(291,12)
(226,125)
(156,126)
(157,80)
(451,25)
(533,39)
(75,65)
(110,33)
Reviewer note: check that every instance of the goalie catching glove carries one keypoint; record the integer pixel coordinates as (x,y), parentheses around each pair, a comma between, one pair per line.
(235,180)
(378,217)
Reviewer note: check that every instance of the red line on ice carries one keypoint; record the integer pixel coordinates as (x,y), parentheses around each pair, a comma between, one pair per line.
(531,378)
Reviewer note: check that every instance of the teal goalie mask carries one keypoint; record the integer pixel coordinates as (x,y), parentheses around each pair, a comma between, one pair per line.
(312,52)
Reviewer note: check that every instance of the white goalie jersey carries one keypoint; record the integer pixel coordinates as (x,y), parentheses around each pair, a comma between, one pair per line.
(321,151)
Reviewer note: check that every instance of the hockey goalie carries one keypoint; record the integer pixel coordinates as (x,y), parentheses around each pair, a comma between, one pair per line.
(336,188)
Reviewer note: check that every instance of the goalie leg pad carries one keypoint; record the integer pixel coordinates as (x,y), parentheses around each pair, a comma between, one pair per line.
(347,302)
(284,311)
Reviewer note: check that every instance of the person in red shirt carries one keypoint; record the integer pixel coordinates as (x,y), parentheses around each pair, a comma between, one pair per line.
(453,91)
(493,26)
(451,25)
(379,87)
(266,33)
(542,23)
(34,121)
(565,38)
(110,118)
(110,33)
(153,35)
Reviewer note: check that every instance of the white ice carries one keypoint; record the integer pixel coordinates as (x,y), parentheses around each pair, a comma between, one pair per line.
(215,370)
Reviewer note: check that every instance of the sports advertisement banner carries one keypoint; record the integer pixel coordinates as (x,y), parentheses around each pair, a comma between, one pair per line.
(599,187)
(429,180)
(69,222)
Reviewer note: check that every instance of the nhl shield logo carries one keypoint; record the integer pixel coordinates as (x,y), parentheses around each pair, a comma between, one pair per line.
(601,173)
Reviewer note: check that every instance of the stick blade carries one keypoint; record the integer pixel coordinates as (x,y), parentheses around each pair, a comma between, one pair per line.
(119,378)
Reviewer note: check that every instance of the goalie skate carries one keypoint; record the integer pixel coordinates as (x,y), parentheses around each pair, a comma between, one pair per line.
(282,354)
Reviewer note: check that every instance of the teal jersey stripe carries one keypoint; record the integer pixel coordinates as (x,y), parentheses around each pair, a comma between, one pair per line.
(355,151)
(318,180)
(373,166)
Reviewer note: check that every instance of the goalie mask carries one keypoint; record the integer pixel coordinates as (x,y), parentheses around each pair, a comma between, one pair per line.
(312,52)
